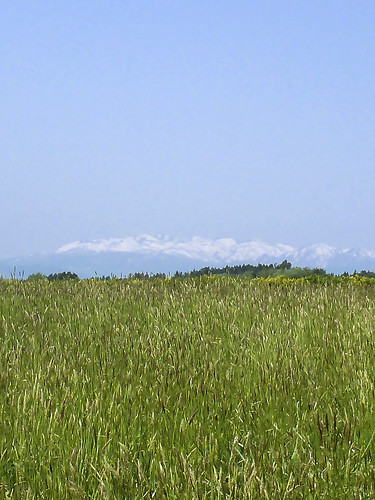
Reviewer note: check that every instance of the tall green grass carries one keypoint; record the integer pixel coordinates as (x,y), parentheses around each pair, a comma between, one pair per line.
(194,388)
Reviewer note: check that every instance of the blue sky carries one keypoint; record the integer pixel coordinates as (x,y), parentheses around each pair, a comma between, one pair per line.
(218,119)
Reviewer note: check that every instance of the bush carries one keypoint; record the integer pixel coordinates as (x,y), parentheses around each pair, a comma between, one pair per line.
(37,277)
(63,276)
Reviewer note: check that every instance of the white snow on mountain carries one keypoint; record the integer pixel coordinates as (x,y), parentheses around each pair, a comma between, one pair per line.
(205,249)
(220,251)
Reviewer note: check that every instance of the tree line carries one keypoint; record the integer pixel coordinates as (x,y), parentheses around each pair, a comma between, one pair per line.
(285,268)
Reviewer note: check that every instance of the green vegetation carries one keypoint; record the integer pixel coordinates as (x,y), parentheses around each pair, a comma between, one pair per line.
(258,271)
(249,270)
(62,276)
(36,277)
(53,277)
(210,387)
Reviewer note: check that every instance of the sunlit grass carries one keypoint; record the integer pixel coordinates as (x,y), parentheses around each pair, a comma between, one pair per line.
(193,388)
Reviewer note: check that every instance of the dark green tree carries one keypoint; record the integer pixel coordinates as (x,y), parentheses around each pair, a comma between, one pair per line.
(63,276)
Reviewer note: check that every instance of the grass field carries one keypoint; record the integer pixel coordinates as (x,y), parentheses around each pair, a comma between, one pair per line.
(187,388)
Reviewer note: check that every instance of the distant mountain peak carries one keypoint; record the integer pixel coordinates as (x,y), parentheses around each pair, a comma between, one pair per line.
(222,250)
(205,249)
(162,254)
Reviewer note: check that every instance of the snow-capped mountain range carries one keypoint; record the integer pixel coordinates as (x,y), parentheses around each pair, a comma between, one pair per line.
(121,256)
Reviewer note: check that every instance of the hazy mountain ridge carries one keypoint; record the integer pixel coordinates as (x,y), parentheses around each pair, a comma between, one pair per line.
(165,255)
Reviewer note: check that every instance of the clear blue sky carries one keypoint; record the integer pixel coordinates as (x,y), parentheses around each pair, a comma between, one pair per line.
(243,119)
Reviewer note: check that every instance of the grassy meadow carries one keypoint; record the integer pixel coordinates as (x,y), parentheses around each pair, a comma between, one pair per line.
(218,388)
